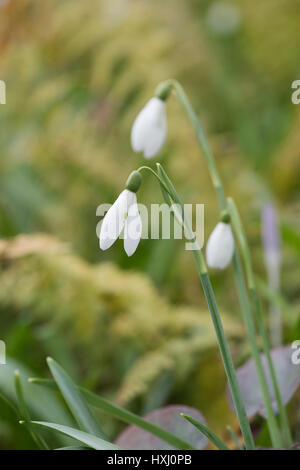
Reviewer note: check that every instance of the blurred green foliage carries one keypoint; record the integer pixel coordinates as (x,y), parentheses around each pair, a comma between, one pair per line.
(77,73)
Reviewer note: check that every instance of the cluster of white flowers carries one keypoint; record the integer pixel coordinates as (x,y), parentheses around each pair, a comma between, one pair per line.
(148,135)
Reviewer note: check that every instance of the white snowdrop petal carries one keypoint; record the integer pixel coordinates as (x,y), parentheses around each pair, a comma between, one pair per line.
(130,199)
(150,128)
(220,246)
(114,220)
(132,230)
(138,132)
(154,142)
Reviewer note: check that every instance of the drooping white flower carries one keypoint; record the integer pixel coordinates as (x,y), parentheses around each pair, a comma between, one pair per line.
(123,214)
(149,129)
(220,246)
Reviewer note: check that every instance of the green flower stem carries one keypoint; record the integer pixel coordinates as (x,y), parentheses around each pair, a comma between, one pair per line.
(202,141)
(245,251)
(216,318)
(227,360)
(218,185)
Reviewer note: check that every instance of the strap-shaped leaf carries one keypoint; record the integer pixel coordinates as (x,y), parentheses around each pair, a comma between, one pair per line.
(207,432)
(73,448)
(77,405)
(91,441)
(40,442)
(124,416)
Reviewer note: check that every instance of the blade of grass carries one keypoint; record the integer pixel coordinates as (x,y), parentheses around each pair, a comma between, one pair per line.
(124,416)
(234,438)
(207,432)
(73,448)
(77,405)
(40,442)
(88,439)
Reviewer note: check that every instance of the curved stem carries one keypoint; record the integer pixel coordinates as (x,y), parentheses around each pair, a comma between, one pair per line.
(144,167)
(202,141)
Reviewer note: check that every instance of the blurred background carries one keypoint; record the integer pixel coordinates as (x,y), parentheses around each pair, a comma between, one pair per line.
(137,330)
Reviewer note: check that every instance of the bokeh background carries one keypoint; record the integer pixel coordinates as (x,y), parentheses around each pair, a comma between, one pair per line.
(137,330)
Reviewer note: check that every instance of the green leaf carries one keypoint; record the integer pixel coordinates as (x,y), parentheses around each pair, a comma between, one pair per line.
(207,432)
(125,416)
(88,439)
(163,175)
(46,405)
(165,194)
(43,405)
(73,448)
(77,405)
(25,413)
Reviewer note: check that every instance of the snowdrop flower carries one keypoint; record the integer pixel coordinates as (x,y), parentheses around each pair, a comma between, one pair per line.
(220,246)
(149,129)
(123,215)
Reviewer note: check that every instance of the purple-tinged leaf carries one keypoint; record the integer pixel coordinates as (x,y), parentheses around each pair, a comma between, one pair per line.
(168,418)
(295,446)
(287,373)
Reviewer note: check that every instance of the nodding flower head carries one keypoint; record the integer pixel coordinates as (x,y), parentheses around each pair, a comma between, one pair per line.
(123,215)
(220,246)
(149,129)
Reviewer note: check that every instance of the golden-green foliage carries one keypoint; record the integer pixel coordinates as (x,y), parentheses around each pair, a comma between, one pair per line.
(117,323)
